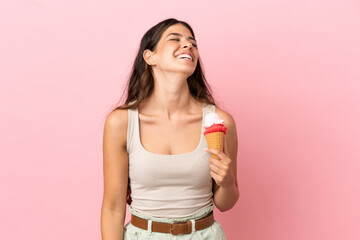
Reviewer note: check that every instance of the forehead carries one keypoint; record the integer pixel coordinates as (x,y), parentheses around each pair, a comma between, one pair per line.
(177,28)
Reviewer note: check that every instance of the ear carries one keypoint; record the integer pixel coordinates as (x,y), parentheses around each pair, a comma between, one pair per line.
(147,55)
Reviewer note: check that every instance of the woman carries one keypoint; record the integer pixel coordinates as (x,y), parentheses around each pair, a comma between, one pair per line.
(154,156)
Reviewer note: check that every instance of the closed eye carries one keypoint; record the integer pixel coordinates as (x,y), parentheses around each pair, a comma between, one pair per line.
(195,45)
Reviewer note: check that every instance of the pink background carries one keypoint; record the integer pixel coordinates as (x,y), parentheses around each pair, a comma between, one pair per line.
(288,72)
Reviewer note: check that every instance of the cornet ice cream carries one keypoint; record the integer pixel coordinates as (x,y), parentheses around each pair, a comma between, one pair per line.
(214,132)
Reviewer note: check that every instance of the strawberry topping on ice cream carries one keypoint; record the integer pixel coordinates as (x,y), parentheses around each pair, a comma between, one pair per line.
(215,128)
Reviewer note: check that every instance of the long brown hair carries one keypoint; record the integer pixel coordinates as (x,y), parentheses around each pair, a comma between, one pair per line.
(141,82)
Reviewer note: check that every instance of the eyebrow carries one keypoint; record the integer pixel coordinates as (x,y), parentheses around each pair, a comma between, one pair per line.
(178,34)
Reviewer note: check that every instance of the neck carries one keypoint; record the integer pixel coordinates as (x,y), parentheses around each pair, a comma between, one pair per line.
(171,97)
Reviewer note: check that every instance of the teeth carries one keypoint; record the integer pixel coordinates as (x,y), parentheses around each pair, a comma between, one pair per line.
(184,56)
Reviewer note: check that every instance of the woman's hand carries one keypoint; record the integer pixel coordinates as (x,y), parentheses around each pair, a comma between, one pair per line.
(221,170)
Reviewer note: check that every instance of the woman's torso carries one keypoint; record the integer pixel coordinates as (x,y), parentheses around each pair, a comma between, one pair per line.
(168,168)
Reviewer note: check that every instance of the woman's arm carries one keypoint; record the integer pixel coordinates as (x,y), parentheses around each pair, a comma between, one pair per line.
(115,170)
(225,197)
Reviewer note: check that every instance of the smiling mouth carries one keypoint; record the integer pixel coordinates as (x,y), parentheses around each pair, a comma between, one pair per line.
(185,56)
(185,59)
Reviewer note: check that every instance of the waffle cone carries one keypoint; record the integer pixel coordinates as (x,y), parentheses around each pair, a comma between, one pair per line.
(215,140)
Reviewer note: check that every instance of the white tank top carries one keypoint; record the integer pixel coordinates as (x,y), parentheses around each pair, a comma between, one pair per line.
(170,186)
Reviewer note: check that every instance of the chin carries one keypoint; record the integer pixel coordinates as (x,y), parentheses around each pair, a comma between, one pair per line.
(188,73)
(189,69)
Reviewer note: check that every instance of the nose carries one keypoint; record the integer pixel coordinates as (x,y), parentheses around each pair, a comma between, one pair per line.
(188,44)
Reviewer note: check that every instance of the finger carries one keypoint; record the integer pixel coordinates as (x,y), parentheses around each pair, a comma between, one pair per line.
(221,171)
(220,164)
(216,169)
(215,176)
(223,158)
(217,152)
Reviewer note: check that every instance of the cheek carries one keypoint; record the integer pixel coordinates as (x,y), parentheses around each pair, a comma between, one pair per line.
(166,55)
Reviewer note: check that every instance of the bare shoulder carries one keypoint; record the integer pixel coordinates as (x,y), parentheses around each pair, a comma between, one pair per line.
(115,129)
(117,117)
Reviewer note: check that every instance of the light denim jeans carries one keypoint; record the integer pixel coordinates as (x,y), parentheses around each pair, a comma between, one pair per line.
(214,232)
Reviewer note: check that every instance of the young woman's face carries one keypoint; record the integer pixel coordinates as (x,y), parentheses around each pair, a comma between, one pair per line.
(175,40)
